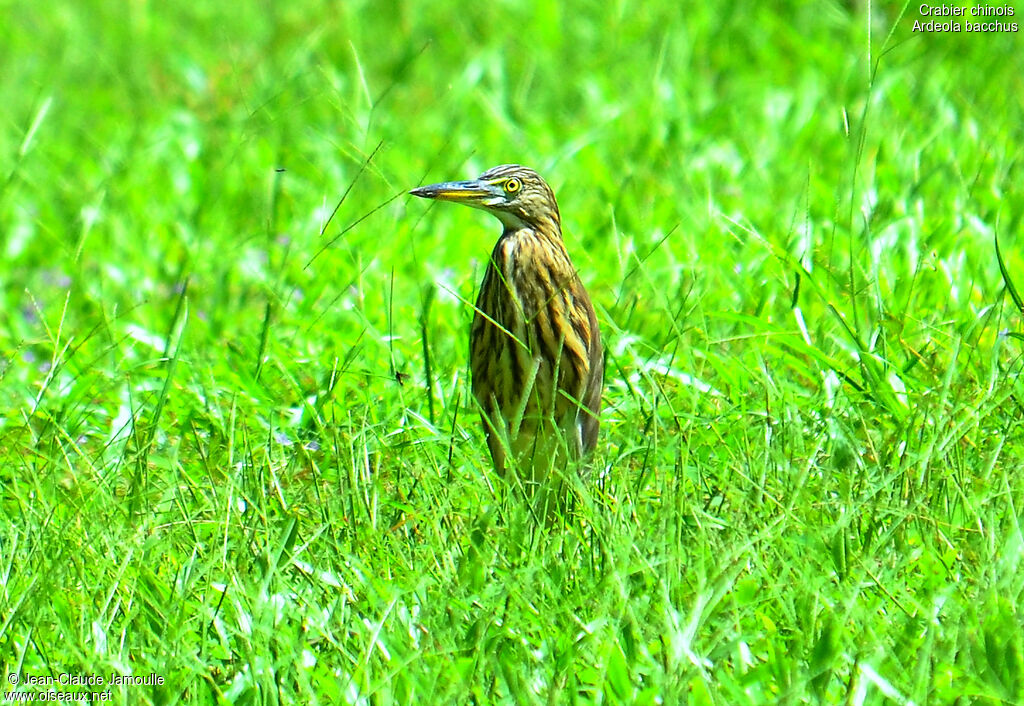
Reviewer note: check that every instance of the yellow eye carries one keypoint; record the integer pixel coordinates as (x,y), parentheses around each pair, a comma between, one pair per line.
(512,186)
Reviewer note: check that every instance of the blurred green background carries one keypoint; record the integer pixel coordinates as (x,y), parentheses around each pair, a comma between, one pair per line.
(237,447)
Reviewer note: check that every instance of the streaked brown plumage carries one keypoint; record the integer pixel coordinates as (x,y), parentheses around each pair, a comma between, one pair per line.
(535,348)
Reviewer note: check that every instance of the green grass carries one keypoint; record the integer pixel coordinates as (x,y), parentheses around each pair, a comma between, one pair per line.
(237,445)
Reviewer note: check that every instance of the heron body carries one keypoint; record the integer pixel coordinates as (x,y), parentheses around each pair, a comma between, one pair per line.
(535,348)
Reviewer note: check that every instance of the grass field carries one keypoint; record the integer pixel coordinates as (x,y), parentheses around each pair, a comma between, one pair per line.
(238,453)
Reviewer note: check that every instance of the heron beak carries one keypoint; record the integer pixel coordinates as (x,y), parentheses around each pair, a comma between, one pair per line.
(471,193)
